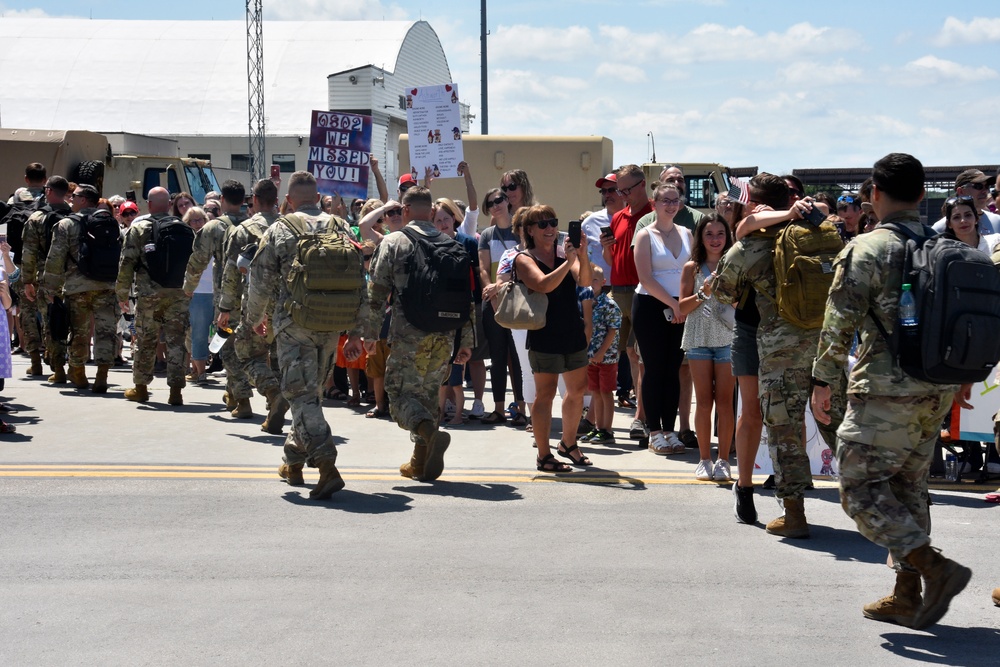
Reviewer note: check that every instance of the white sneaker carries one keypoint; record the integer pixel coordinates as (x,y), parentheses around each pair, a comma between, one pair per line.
(478,410)
(658,444)
(676,446)
(722,472)
(704,470)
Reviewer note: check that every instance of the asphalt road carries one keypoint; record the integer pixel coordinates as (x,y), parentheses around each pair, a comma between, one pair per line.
(144,535)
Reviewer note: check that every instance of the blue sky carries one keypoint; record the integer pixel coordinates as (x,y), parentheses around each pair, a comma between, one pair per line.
(777,84)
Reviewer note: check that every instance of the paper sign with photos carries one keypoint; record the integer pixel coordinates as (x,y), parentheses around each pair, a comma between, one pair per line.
(433,119)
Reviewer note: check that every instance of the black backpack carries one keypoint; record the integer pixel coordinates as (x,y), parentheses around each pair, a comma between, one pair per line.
(957,292)
(169,250)
(438,290)
(100,245)
(14,218)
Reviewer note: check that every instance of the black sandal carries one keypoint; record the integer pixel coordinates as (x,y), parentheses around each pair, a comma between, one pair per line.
(9,428)
(493,418)
(548,463)
(520,419)
(568,454)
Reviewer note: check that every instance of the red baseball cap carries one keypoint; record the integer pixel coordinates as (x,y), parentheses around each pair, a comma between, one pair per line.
(128,206)
(406,178)
(610,178)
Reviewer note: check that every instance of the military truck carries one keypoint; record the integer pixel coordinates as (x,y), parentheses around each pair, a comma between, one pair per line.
(86,157)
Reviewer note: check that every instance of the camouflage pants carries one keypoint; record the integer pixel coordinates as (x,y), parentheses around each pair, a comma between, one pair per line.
(29,321)
(304,357)
(258,358)
(414,372)
(237,382)
(103,306)
(785,390)
(171,315)
(885,451)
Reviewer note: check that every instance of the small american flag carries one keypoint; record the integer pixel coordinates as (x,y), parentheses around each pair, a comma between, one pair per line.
(738,191)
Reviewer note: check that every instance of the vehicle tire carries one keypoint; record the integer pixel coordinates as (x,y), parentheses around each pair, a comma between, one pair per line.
(90,172)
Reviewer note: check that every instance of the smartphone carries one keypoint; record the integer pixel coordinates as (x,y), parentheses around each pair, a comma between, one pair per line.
(669,314)
(605,231)
(130,195)
(275,172)
(815,216)
(574,233)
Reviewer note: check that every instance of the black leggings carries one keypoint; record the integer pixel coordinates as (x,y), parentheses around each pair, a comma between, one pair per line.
(660,348)
(501,350)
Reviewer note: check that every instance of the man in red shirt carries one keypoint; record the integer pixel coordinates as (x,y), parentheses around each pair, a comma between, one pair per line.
(619,255)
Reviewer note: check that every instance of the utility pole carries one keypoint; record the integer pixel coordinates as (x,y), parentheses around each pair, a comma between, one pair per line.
(484,85)
(255,86)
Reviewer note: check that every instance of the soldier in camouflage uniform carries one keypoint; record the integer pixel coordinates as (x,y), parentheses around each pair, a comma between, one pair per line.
(420,361)
(786,356)
(157,308)
(887,438)
(36,186)
(253,351)
(33,256)
(304,356)
(208,245)
(85,297)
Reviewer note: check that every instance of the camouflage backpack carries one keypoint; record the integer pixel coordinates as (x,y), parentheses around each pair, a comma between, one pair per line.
(803,270)
(327,278)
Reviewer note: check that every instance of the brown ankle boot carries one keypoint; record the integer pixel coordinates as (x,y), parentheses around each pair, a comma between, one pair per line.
(414,468)
(291,473)
(242,409)
(36,364)
(101,380)
(139,394)
(78,377)
(943,580)
(437,444)
(58,375)
(793,522)
(175,396)
(277,406)
(228,400)
(996,596)
(329,482)
(900,606)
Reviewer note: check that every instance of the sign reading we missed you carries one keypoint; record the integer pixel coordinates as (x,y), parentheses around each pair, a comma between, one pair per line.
(433,120)
(339,153)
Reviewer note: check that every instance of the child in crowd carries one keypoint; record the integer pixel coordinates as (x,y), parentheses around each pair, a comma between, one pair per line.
(602,374)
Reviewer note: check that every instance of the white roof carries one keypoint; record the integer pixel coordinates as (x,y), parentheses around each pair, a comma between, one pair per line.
(179,77)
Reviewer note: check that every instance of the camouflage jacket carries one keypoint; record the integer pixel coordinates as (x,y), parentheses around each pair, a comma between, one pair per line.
(868,276)
(268,286)
(751,260)
(239,237)
(61,271)
(208,245)
(388,275)
(132,269)
(32,259)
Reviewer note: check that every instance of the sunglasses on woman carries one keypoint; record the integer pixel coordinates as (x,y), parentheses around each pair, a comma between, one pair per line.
(496,202)
(509,187)
(542,224)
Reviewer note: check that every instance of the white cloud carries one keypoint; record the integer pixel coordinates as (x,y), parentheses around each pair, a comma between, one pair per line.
(808,72)
(931,70)
(334,10)
(34,13)
(978,30)
(524,42)
(622,73)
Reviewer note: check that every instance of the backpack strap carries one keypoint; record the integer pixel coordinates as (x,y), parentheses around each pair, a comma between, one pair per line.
(296,225)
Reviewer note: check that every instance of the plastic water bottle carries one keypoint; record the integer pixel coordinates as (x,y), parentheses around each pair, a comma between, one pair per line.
(951,468)
(908,311)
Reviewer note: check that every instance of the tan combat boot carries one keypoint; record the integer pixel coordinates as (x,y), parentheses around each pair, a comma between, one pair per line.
(414,468)
(243,409)
(793,522)
(291,473)
(78,376)
(36,364)
(175,396)
(230,403)
(277,406)
(101,381)
(996,596)
(58,375)
(329,482)
(139,394)
(943,580)
(900,606)
(437,444)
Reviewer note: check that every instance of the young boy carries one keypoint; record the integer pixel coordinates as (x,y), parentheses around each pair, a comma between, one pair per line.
(602,374)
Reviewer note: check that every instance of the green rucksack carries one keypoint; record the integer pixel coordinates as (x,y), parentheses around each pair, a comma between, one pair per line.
(327,278)
(803,270)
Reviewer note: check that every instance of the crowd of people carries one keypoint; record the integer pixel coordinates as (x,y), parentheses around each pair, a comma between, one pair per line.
(654,302)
